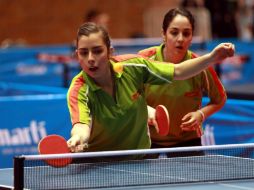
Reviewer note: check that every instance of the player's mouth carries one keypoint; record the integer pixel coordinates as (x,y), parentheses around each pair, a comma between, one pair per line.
(93,69)
(179,47)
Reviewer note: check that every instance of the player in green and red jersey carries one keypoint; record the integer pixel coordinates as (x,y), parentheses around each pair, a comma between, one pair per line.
(183,99)
(106,99)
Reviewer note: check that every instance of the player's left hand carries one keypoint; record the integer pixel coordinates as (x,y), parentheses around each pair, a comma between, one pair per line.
(222,51)
(191,121)
(151,118)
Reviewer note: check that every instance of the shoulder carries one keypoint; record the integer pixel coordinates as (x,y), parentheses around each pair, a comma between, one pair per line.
(193,55)
(149,52)
(77,84)
(125,57)
(211,71)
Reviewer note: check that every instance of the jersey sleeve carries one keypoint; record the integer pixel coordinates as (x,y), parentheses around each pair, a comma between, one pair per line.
(77,100)
(153,72)
(158,72)
(213,86)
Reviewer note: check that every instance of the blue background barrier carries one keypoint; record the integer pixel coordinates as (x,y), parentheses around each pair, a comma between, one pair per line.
(22,65)
(233,124)
(27,117)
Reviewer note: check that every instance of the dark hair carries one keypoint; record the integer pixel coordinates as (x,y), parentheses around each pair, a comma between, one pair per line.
(171,14)
(189,3)
(89,27)
(91,15)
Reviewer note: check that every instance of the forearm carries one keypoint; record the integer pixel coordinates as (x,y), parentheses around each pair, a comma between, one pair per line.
(210,109)
(83,130)
(192,67)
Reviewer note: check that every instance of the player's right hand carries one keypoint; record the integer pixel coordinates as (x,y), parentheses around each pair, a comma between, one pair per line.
(80,134)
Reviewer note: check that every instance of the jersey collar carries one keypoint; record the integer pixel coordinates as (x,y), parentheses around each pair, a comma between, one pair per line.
(159,53)
(90,82)
(117,68)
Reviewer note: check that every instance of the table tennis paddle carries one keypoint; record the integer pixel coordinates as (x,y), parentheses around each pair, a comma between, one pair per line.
(54,144)
(162,118)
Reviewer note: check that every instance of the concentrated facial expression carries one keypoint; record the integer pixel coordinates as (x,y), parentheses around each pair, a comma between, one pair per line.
(178,36)
(93,55)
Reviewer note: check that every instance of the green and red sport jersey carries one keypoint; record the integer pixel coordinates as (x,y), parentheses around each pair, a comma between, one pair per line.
(120,123)
(181,97)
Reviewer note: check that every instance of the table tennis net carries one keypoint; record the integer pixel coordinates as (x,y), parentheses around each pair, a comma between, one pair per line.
(116,169)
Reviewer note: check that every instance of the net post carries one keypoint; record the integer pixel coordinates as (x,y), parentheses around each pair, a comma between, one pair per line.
(18,172)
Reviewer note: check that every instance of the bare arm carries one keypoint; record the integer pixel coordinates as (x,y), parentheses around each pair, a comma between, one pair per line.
(212,108)
(192,67)
(217,96)
(191,121)
(80,134)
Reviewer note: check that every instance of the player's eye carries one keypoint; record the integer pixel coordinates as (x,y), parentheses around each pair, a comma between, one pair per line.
(187,34)
(82,52)
(98,51)
(174,33)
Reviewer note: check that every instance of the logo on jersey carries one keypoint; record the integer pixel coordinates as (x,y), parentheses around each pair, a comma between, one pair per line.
(136,95)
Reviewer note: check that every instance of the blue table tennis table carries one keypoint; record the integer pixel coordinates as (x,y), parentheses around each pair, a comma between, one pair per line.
(208,171)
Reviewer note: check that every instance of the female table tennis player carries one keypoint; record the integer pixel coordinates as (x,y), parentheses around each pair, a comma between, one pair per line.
(106,99)
(183,99)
